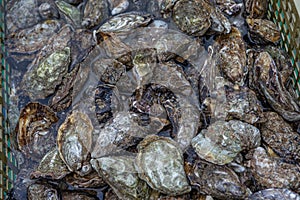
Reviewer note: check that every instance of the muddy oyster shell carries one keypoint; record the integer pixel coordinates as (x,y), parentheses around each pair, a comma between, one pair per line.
(262,31)
(231,56)
(274,194)
(42,191)
(160,164)
(229,7)
(74,142)
(218,181)
(256,8)
(273,172)
(118,6)
(51,166)
(119,172)
(95,11)
(222,141)
(279,135)
(34,138)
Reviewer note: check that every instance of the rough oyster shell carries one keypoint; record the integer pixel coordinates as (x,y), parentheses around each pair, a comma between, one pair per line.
(160,164)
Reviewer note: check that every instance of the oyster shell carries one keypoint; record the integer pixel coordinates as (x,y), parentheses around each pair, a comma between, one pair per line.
(262,31)
(222,141)
(122,133)
(74,142)
(279,135)
(91,180)
(229,7)
(95,12)
(230,53)
(266,80)
(160,164)
(118,6)
(123,23)
(34,138)
(51,166)
(32,39)
(273,172)
(256,8)
(50,65)
(192,17)
(119,172)
(217,181)
(48,11)
(20,15)
(274,194)
(72,13)
(42,191)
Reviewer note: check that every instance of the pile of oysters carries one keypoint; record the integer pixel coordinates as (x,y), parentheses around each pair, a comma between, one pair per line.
(150,99)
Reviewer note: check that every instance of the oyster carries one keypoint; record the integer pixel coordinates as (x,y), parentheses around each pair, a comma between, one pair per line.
(74,142)
(95,12)
(274,194)
(256,8)
(242,104)
(48,11)
(34,137)
(123,23)
(160,164)
(197,16)
(21,15)
(48,68)
(71,12)
(217,181)
(51,166)
(43,79)
(230,53)
(229,7)
(32,39)
(222,141)
(119,172)
(273,172)
(279,135)
(42,191)
(266,80)
(118,6)
(63,96)
(91,180)
(122,133)
(192,17)
(262,31)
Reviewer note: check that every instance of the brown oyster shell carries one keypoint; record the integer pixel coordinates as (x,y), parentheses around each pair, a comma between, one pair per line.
(273,172)
(230,54)
(32,131)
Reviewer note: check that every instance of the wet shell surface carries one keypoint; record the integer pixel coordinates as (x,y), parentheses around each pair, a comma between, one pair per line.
(160,164)
(272,172)
(222,141)
(51,166)
(120,173)
(34,137)
(74,141)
